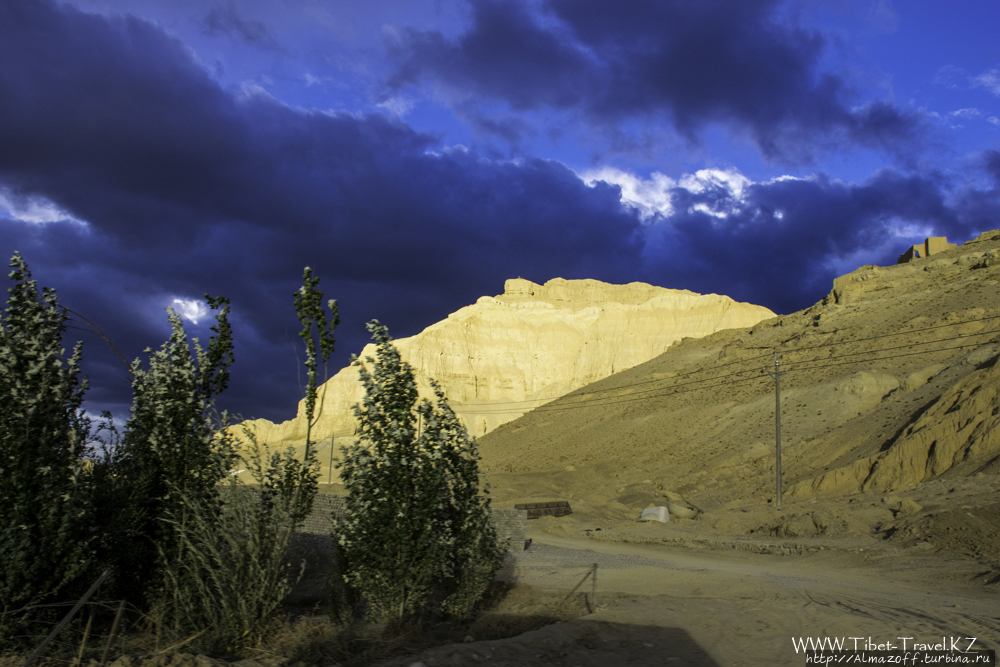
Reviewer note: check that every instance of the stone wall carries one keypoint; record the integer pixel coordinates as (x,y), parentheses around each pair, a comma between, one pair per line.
(509,523)
(931,246)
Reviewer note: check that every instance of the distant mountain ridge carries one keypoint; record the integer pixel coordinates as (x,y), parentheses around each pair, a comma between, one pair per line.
(505,355)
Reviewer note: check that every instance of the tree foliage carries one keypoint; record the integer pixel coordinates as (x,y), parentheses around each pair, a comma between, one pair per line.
(416,537)
(474,554)
(45,541)
(224,569)
(199,556)
(317,334)
(171,455)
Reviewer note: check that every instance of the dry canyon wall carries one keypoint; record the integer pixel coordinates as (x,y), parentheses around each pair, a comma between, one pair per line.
(505,355)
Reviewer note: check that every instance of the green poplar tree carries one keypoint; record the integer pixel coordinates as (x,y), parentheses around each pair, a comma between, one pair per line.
(317,334)
(45,541)
(415,527)
(474,554)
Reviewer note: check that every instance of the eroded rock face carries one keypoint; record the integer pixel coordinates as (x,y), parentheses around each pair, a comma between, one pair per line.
(958,433)
(505,355)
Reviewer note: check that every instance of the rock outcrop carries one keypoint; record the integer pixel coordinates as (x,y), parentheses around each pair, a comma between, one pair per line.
(505,355)
(957,433)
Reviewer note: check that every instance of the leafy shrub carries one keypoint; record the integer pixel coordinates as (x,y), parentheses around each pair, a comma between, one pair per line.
(170,457)
(415,527)
(206,557)
(45,537)
(224,569)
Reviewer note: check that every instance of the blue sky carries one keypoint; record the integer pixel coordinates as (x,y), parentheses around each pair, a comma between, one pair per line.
(418,153)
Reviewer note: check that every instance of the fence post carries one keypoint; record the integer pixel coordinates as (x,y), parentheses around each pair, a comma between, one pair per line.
(593,588)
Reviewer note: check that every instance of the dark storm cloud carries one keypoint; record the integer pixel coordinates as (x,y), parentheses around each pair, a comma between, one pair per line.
(223,19)
(779,242)
(86,100)
(187,188)
(693,63)
(981,206)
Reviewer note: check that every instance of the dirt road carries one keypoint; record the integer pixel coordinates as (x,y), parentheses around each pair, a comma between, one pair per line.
(671,606)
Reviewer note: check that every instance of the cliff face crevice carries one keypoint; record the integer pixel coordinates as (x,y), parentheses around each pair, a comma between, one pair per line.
(505,355)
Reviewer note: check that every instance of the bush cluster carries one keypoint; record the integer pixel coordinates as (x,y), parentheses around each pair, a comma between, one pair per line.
(188,545)
(191,548)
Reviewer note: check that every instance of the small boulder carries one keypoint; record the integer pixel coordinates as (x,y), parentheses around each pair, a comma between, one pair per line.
(683,511)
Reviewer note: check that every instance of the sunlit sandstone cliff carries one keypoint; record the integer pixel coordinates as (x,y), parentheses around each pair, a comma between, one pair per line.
(505,355)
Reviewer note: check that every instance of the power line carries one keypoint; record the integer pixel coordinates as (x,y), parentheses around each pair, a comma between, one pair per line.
(494,407)
(624,386)
(895,356)
(610,400)
(849,341)
(626,399)
(666,391)
(898,347)
(898,333)
(607,398)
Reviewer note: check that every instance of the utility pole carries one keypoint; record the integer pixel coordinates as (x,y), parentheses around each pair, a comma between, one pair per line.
(329,475)
(776,374)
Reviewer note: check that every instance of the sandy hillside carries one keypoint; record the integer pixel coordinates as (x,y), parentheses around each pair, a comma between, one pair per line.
(506,354)
(890,390)
(890,520)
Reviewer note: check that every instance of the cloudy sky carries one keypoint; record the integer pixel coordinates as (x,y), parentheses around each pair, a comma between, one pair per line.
(416,153)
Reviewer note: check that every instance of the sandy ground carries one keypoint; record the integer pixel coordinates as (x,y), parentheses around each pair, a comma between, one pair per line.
(687,593)
(736,584)
(670,605)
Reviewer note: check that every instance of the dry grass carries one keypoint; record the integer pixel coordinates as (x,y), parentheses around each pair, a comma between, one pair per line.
(314,639)
(507,611)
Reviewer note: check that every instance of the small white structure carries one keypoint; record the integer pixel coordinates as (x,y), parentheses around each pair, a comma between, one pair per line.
(661,514)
